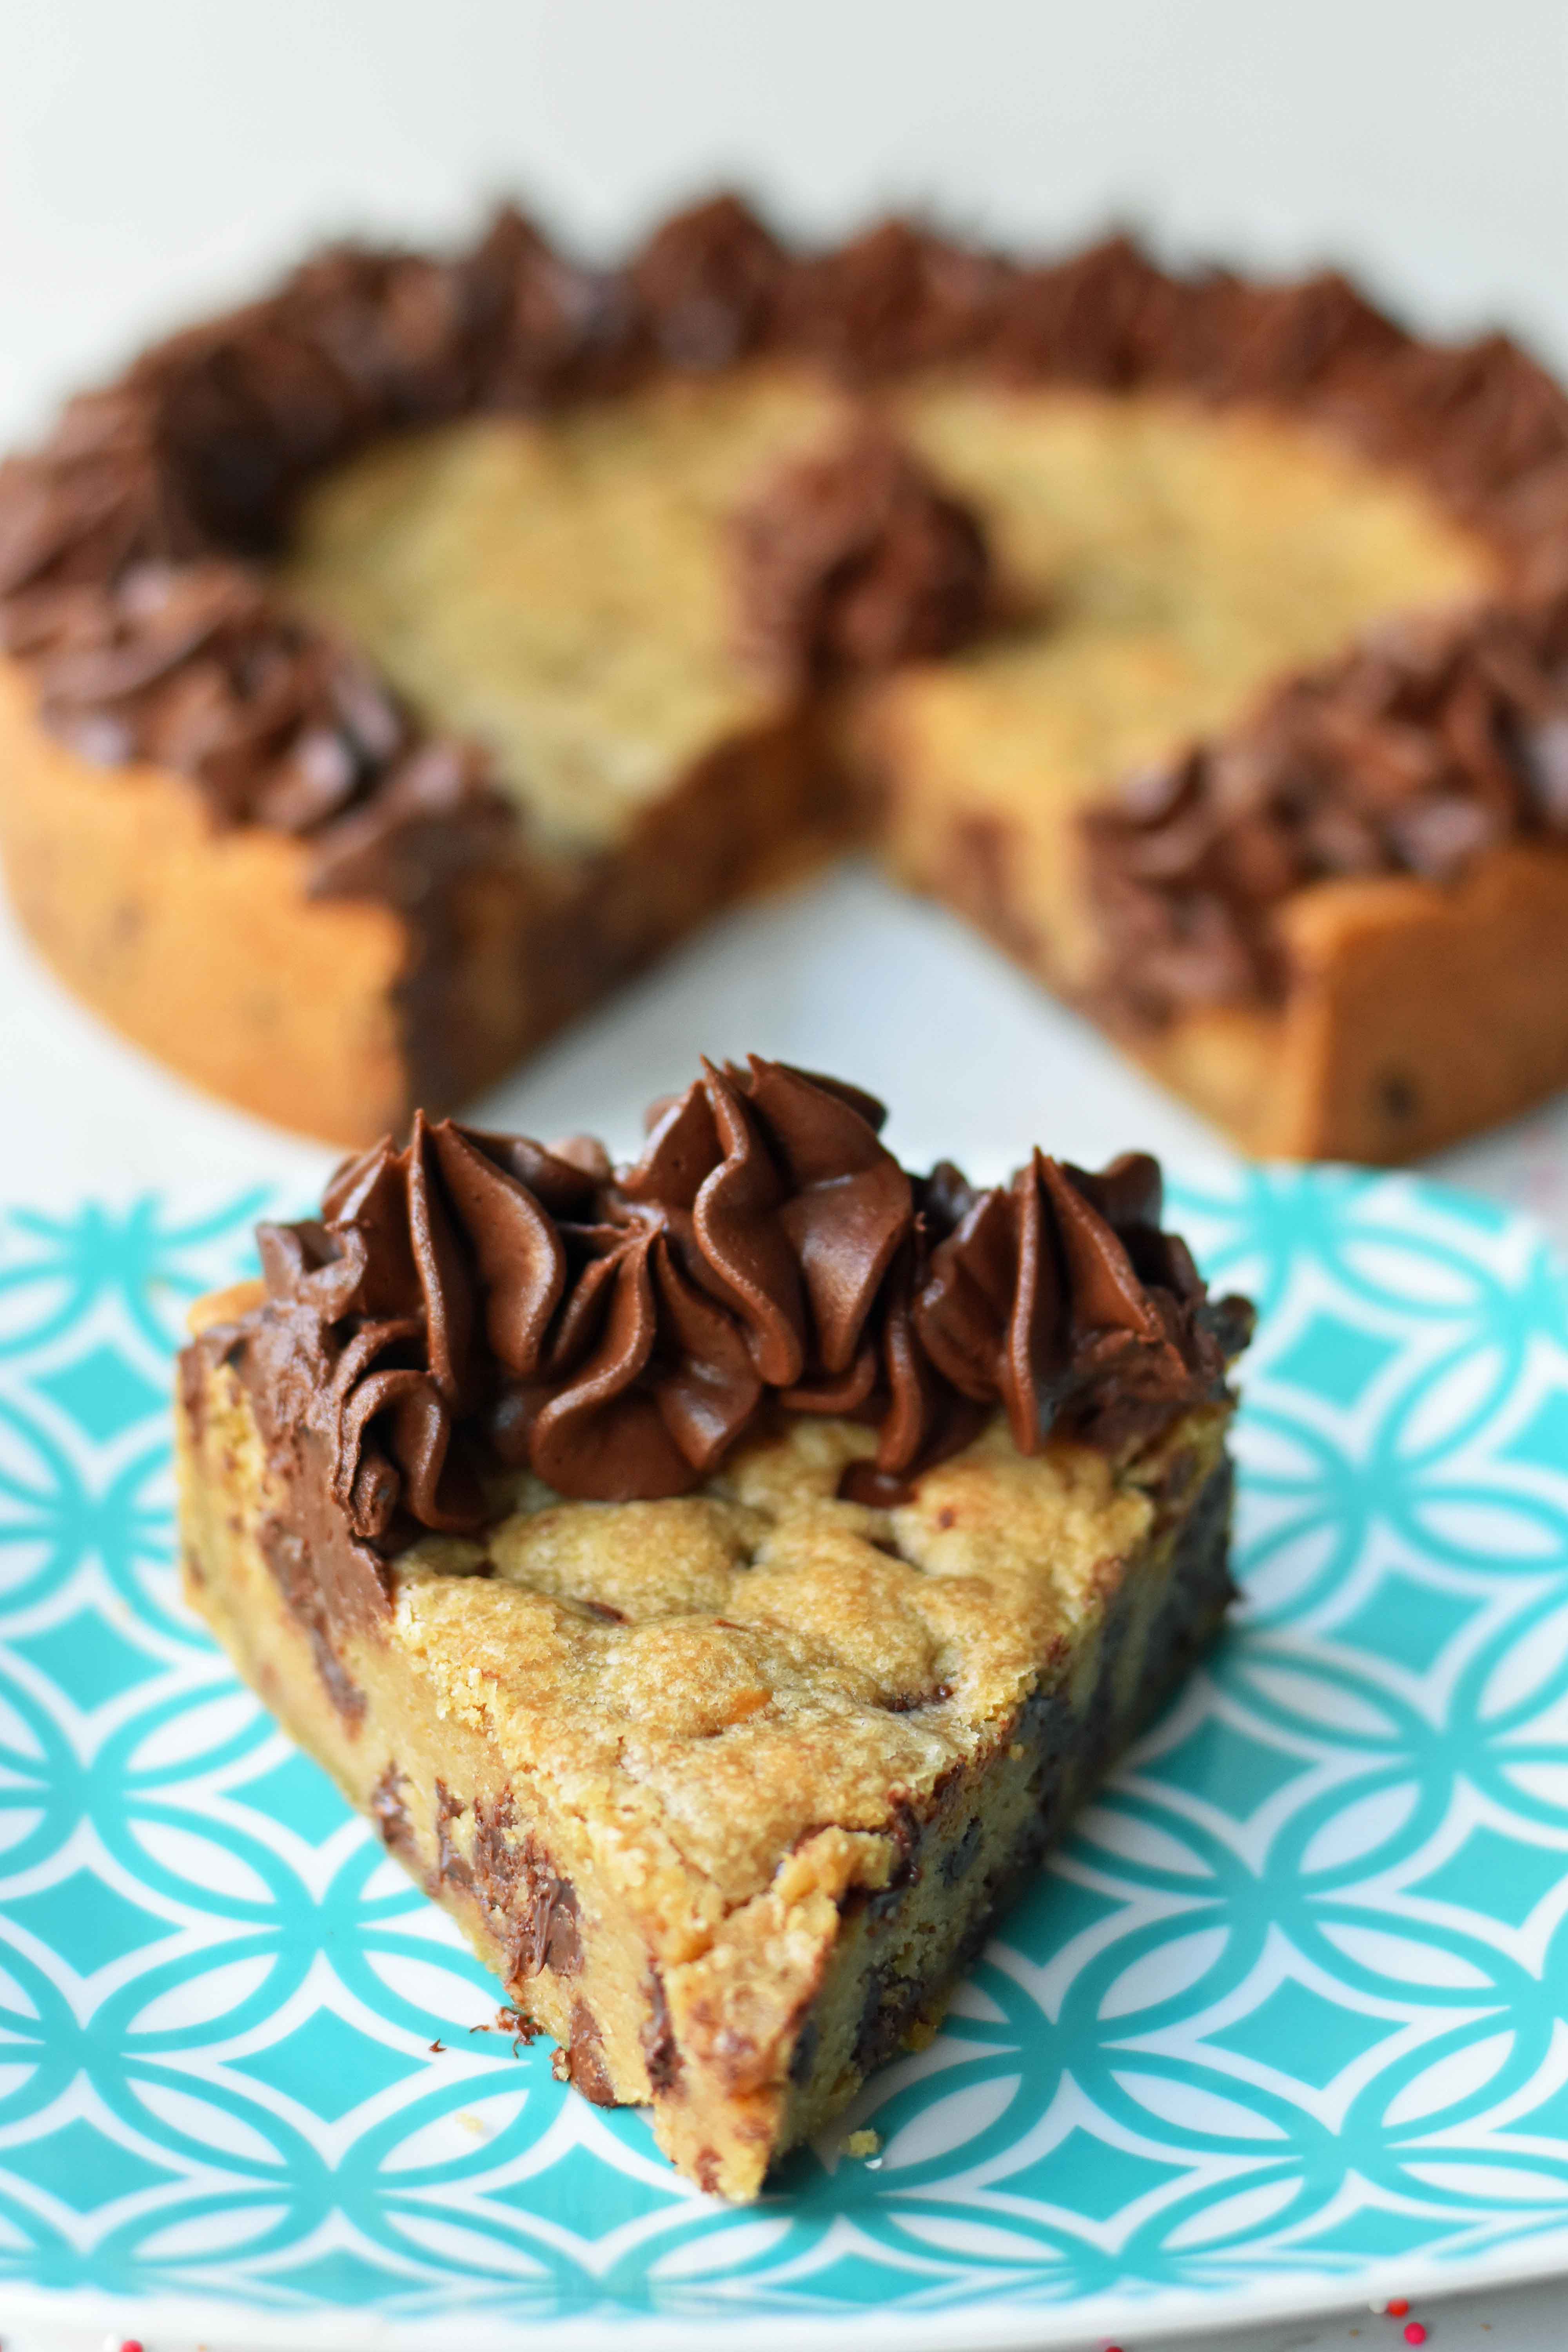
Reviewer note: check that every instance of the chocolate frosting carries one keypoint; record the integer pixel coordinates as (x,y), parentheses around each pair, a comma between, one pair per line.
(129,540)
(473,1302)
(894,299)
(1429,743)
(853,560)
(709,283)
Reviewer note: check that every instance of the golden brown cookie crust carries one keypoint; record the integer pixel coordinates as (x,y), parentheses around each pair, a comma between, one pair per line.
(212,949)
(207,948)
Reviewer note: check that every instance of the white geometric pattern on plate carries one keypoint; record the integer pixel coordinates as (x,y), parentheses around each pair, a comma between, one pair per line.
(1291,2002)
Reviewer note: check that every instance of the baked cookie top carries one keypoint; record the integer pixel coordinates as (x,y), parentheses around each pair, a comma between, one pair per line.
(704,1682)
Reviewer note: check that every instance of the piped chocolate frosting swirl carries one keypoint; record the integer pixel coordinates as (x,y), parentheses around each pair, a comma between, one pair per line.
(1423,747)
(853,560)
(475,1303)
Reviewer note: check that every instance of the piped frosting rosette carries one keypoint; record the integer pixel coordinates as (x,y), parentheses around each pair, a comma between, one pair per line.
(478,1302)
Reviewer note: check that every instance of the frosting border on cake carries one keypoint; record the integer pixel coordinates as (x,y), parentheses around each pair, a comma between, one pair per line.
(130,545)
(470,1307)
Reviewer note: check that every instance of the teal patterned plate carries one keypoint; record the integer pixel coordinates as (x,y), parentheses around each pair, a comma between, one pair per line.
(1285,2024)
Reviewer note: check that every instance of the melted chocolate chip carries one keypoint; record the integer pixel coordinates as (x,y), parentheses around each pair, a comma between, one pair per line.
(389,1811)
(661,2053)
(556,1909)
(586,2066)
(907,1834)
(807,2042)
(890,2006)
(910,1702)
(959,1859)
(297,1568)
(1399,1096)
(532,1911)
(496,1862)
(451,1867)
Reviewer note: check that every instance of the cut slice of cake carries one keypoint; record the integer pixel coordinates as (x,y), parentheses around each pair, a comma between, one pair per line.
(717,1579)
(398,663)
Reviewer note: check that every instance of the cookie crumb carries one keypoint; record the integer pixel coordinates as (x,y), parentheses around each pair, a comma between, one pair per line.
(863,2143)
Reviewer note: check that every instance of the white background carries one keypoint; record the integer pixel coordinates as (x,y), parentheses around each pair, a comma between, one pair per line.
(155,154)
(157,157)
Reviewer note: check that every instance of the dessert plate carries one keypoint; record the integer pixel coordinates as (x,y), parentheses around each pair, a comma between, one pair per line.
(1285,2025)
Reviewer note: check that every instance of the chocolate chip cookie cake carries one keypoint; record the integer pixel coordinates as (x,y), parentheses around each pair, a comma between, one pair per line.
(719,1577)
(392,666)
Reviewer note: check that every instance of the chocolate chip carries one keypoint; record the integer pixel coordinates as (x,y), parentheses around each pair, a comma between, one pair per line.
(586,2062)
(451,1868)
(496,1861)
(531,1910)
(1045,1723)
(807,2042)
(905,1830)
(388,1810)
(890,2005)
(340,1687)
(562,1939)
(868,2033)
(661,2053)
(908,1702)
(1399,1097)
(959,1859)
